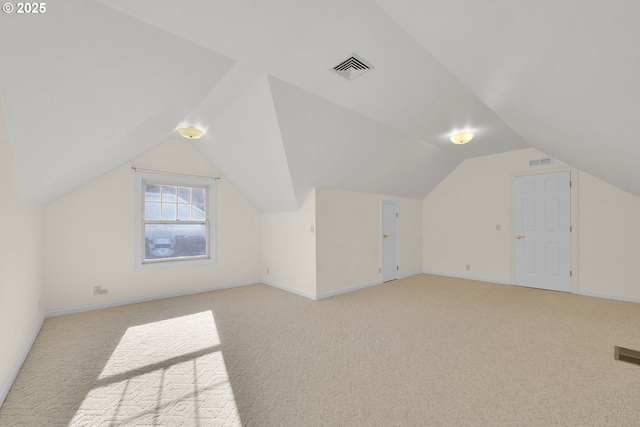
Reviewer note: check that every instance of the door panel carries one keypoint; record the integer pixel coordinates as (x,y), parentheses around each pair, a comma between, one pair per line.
(553,258)
(389,239)
(553,213)
(528,257)
(542,231)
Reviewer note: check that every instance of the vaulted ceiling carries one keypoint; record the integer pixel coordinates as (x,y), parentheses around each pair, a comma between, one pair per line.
(90,85)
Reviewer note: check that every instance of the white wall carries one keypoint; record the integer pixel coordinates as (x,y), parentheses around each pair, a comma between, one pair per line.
(89,237)
(348,238)
(289,249)
(21,276)
(609,240)
(461,214)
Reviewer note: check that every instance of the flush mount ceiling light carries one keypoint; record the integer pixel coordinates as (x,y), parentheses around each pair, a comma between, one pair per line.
(190,132)
(461,137)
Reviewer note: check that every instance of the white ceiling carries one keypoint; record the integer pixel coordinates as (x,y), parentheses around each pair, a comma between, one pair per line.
(89,85)
(565,74)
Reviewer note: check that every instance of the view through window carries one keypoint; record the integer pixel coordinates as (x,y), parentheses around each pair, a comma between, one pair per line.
(175,221)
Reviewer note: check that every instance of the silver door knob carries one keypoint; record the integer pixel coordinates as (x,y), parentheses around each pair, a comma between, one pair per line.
(520,237)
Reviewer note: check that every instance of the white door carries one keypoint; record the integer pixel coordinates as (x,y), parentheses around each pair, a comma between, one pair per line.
(389,240)
(542,226)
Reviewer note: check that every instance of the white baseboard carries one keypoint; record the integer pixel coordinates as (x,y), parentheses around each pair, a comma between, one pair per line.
(413,273)
(334,293)
(4,391)
(347,290)
(288,289)
(585,293)
(608,296)
(462,276)
(108,304)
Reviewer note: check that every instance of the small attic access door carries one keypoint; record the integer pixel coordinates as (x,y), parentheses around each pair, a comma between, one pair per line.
(542,231)
(389,241)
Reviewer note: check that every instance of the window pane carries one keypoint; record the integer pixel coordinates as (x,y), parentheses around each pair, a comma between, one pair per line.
(192,245)
(184,195)
(169,212)
(172,207)
(197,213)
(152,193)
(168,194)
(174,240)
(151,210)
(184,212)
(198,196)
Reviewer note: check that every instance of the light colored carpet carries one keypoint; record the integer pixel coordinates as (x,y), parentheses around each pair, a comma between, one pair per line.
(426,350)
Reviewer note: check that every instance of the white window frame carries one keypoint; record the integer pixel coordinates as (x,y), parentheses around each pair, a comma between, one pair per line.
(139,242)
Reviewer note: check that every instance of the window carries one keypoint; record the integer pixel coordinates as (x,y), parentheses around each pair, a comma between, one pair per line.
(173,219)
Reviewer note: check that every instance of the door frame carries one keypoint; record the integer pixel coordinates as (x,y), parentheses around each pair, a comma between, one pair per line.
(574,177)
(397,204)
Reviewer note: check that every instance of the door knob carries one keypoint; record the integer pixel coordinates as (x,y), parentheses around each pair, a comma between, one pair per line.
(385,235)
(520,237)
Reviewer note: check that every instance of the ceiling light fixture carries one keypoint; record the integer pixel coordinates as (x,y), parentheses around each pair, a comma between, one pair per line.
(461,137)
(190,132)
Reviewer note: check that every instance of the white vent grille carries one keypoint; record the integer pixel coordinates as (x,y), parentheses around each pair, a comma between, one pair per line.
(352,68)
(545,161)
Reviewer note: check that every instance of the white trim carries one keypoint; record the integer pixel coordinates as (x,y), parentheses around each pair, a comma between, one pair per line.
(211,220)
(288,289)
(412,273)
(501,282)
(351,289)
(109,304)
(609,296)
(4,391)
(462,276)
(572,285)
(575,223)
(397,205)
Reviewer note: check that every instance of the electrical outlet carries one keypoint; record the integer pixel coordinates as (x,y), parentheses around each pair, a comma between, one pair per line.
(267,270)
(498,227)
(97,290)
(312,228)
(468,266)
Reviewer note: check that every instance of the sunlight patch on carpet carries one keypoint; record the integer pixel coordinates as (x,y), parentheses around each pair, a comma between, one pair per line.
(164,373)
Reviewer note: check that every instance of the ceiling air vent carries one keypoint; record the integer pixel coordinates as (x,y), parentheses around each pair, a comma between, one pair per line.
(353,67)
(545,161)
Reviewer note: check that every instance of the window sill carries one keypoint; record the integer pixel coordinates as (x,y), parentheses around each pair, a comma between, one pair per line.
(176,263)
